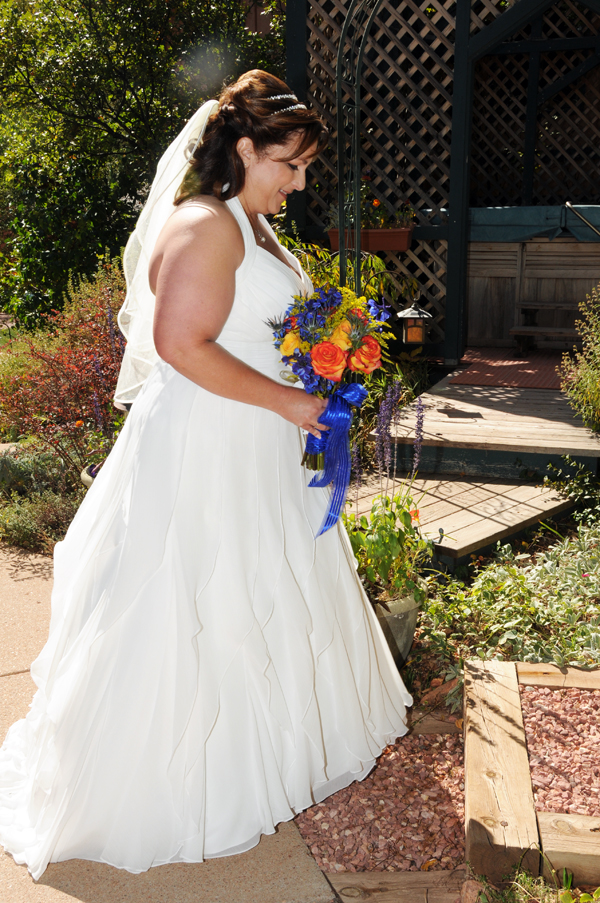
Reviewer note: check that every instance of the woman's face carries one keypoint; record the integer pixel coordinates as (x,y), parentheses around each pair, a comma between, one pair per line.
(269,178)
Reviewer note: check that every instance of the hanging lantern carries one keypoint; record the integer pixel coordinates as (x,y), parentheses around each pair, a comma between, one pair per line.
(414,326)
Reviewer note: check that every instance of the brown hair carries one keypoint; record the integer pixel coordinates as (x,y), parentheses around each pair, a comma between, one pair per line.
(249,108)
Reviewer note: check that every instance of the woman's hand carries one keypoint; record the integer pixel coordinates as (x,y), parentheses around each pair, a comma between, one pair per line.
(303,410)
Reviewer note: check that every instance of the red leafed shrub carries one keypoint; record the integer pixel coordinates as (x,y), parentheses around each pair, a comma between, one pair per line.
(57,385)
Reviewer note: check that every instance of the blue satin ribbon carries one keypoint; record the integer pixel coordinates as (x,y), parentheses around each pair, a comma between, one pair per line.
(335,443)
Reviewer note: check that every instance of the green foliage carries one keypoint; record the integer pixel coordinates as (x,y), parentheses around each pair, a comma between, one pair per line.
(524,888)
(92,93)
(37,523)
(57,384)
(38,498)
(580,374)
(26,472)
(389,547)
(375,214)
(519,609)
(578,483)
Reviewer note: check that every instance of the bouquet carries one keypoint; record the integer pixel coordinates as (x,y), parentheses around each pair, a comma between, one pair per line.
(328,340)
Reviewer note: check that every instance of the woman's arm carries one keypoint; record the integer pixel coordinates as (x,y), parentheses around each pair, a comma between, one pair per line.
(192,272)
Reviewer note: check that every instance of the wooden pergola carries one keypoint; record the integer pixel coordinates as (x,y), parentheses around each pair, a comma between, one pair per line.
(463,104)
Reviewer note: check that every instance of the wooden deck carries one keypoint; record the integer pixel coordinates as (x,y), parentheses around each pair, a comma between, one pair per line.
(471,513)
(499,418)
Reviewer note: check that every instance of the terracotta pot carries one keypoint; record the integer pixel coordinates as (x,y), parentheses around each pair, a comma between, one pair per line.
(397,239)
(398,625)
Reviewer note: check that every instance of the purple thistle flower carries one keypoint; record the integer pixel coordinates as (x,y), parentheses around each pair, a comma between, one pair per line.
(385,418)
(418,443)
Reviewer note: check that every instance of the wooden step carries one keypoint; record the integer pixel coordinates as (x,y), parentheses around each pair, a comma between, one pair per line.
(472,514)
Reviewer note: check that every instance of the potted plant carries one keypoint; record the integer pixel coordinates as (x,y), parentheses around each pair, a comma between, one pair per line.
(389,548)
(382,229)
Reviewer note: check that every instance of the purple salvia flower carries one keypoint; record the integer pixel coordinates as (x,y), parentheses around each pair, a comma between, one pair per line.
(357,468)
(385,418)
(418,443)
(98,413)
(99,373)
(111,330)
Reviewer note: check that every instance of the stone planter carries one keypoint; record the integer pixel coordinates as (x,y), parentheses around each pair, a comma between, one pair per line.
(397,239)
(398,625)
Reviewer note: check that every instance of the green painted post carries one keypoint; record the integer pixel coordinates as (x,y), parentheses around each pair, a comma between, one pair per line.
(458,208)
(296,57)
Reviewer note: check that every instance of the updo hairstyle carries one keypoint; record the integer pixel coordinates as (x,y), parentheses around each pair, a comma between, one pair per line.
(249,108)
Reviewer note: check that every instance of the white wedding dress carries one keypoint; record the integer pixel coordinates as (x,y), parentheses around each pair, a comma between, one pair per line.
(211,669)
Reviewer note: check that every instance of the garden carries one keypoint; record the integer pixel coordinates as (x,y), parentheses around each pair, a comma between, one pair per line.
(533,600)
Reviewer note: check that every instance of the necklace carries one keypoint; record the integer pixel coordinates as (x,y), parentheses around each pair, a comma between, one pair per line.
(259,235)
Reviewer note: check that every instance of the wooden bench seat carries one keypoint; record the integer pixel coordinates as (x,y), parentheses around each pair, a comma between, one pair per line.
(549,332)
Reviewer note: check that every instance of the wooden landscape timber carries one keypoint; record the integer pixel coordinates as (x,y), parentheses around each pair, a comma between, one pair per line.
(502,827)
(541,674)
(398,887)
(571,842)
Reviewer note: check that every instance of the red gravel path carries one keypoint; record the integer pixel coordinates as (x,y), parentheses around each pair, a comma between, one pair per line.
(563,740)
(408,814)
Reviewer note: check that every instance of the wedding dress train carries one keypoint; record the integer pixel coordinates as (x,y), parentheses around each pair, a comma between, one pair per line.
(211,668)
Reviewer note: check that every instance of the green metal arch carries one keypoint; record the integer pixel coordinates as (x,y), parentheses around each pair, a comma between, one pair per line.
(357,27)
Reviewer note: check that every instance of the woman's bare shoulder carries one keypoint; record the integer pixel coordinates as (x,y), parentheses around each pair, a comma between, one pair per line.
(203,226)
(203,214)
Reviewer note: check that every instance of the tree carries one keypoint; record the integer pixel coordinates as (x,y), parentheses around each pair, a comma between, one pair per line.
(93,91)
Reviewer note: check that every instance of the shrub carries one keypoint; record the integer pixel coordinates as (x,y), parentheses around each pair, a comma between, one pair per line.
(580,374)
(37,523)
(389,547)
(25,472)
(57,385)
(522,609)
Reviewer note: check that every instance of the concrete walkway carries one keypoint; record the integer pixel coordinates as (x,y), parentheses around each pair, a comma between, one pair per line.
(279,870)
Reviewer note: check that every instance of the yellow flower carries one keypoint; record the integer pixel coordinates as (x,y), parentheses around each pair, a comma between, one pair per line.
(341,336)
(291,342)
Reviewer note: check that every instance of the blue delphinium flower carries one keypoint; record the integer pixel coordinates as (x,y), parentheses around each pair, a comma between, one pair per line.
(381,311)
(301,366)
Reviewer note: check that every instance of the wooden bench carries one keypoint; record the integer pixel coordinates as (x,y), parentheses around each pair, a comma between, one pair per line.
(529,291)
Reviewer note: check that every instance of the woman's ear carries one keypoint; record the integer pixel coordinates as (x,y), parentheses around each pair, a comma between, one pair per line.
(245,149)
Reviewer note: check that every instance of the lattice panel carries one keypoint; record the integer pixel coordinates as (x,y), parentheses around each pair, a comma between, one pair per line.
(567,149)
(499,108)
(407,112)
(406,122)
(568,124)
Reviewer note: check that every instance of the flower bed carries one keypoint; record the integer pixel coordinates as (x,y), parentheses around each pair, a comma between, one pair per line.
(407,815)
(563,740)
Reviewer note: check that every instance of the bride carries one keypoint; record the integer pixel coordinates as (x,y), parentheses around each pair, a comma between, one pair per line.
(211,668)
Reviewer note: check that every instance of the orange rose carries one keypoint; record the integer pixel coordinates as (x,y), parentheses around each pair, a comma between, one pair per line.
(367,357)
(328,360)
(341,336)
(289,344)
